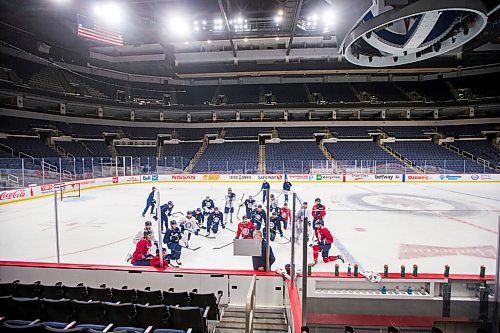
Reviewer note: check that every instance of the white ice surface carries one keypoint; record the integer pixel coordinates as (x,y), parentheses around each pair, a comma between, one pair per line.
(371,221)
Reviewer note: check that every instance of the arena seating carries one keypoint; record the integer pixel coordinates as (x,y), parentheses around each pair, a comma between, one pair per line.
(150,133)
(19,125)
(381,91)
(240,94)
(289,93)
(333,92)
(83,307)
(479,148)
(229,157)
(136,151)
(299,132)
(179,155)
(195,133)
(352,131)
(29,145)
(245,132)
(362,154)
(460,131)
(479,86)
(196,95)
(413,132)
(434,158)
(97,147)
(435,90)
(74,148)
(48,79)
(283,156)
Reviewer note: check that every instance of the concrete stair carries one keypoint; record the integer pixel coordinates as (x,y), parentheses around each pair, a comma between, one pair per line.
(265,320)
(261,168)
(197,156)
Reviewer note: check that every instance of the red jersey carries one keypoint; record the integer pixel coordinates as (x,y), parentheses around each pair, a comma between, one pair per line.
(245,230)
(141,249)
(155,262)
(285,213)
(323,234)
(318,213)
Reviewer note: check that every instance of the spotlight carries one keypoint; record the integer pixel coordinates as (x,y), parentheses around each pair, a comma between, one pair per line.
(280,12)
(109,13)
(179,26)
(245,40)
(368,35)
(437,47)
(395,59)
(370,58)
(278,19)
(277,39)
(466,31)
(209,41)
(405,53)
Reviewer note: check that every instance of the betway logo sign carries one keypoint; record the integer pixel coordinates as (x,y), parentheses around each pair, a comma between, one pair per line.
(12,194)
(384,177)
(184,177)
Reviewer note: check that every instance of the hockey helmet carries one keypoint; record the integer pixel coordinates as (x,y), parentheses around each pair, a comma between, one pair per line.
(272,195)
(216,208)
(285,203)
(173,222)
(170,203)
(147,232)
(189,212)
(319,222)
(229,189)
(317,200)
(198,209)
(148,223)
(250,197)
(259,206)
(207,197)
(274,214)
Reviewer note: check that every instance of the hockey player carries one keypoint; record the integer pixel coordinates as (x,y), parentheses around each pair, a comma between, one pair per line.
(318,211)
(150,202)
(249,204)
(165,213)
(285,214)
(273,204)
(172,237)
(286,188)
(188,226)
(259,262)
(213,221)
(265,189)
(245,229)
(198,215)
(140,234)
(274,227)
(324,241)
(207,205)
(141,256)
(229,206)
(258,217)
(155,261)
(300,220)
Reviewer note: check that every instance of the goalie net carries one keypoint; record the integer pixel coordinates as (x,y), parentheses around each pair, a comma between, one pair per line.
(69,191)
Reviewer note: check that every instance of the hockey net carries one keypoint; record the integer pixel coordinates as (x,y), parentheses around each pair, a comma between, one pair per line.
(67,191)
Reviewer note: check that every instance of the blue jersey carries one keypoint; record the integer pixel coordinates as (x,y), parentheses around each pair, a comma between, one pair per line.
(166,210)
(209,204)
(287,185)
(172,236)
(259,217)
(198,216)
(249,203)
(151,197)
(216,217)
(265,186)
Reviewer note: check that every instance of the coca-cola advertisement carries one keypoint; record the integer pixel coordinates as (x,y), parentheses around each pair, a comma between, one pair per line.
(12,194)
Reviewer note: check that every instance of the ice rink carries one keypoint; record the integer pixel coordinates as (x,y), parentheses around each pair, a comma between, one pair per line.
(373,224)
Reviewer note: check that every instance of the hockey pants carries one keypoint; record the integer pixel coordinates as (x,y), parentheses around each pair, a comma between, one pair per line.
(264,195)
(325,249)
(141,263)
(213,226)
(149,204)
(175,250)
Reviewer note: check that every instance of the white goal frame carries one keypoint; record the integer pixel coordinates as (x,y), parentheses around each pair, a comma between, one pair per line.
(69,191)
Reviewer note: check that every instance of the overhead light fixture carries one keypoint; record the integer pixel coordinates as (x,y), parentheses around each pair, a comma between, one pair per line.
(278,19)
(109,13)
(179,26)
(245,40)
(277,39)
(209,41)
(280,12)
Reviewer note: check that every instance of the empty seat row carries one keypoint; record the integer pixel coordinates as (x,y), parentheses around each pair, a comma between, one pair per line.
(99,316)
(105,294)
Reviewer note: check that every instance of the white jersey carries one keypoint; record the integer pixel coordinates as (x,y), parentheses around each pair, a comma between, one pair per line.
(274,204)
(190,224)
(230,198)
(302,214)
(140,235)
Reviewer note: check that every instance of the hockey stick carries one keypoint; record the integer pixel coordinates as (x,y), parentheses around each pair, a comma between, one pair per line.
(223,246)
(210,237)
(230,229)
(195,249)
(241,204)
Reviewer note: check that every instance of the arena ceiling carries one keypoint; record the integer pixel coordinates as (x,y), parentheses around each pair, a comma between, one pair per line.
(220,38)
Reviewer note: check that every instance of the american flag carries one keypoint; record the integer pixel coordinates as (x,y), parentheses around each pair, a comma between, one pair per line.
(88,29)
